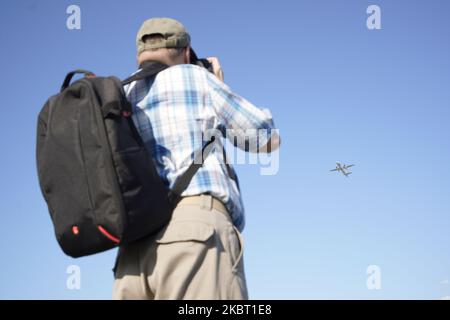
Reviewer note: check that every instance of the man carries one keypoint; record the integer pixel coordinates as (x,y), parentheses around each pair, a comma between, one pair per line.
(199,255)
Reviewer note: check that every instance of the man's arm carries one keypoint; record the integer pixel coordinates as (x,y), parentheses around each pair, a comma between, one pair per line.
(217,68)
(241,118)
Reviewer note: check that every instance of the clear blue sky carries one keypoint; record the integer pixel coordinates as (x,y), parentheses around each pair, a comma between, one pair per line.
(338,92)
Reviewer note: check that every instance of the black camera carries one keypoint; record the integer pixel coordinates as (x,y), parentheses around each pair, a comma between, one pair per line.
(201,62)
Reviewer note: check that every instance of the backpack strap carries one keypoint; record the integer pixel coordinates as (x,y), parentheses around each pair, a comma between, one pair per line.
(70,75)
(185,179)
(148,69)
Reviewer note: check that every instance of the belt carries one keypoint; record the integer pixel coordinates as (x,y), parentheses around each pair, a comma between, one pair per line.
(205,201)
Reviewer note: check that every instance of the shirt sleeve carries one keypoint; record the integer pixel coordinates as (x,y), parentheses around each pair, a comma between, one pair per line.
(246,126)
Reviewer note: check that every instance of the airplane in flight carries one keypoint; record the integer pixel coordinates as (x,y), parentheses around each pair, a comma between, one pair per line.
(343,168)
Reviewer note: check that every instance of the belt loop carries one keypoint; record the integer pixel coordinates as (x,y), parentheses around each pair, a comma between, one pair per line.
(206,202)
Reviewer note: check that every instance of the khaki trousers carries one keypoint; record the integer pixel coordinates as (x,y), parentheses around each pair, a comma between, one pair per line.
(199,255)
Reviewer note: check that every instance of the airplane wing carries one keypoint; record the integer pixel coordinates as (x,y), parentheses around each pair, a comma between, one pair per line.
(334,170)
(349,166)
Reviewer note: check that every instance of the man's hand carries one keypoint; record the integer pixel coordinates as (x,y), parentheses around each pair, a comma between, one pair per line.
(272,145)
(218,72)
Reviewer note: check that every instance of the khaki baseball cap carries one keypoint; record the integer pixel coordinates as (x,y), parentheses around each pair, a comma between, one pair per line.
(174,33)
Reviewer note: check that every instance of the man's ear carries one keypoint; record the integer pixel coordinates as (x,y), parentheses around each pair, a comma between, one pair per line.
(137,58)
(187,55)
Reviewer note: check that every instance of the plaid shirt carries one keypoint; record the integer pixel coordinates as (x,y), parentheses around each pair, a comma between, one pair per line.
(174,110)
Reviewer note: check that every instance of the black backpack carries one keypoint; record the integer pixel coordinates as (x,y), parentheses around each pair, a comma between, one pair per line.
(100,184)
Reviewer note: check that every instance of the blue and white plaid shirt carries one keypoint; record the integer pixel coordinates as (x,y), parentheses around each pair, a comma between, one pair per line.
(174,110)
